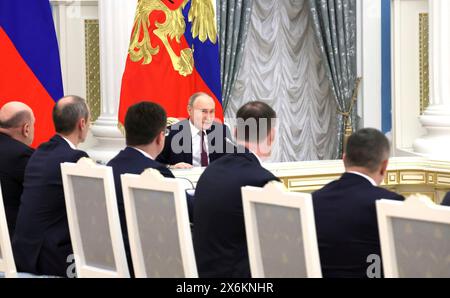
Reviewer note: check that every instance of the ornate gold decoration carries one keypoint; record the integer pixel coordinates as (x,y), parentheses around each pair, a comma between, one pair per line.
(429,182)
(424,62)
(348,115)
(201,14)
(92,50)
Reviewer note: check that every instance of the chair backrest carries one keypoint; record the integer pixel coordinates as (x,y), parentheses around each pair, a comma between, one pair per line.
(93,218)
(172,121)
(415,237)
(281,232)
(158,226)
(7,264)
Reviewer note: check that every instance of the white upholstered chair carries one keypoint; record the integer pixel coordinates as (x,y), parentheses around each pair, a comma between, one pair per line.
(281,232)
(158,226)
(7,264)
(93,218)
(415,237)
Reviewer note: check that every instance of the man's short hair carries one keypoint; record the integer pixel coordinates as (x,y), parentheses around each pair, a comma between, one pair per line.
(195,96)
(368,148)
(143,122)
(16,120)
(254,121)
(65,118)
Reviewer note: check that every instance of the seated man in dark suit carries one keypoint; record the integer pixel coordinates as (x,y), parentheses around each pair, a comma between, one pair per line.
(41,243)
(346,219)
(145,127)
(16,135)
(196,141)
(219,232)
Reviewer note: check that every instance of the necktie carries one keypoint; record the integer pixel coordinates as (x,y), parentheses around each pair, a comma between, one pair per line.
(204,154)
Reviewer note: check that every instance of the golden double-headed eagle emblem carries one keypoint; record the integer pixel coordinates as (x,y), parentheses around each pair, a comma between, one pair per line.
(201,15)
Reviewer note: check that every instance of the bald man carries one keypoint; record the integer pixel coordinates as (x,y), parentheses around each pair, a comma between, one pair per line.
(41,242)
(197,141)
(16,134)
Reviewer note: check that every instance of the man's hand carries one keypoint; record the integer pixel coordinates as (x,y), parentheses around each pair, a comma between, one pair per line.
(181,165)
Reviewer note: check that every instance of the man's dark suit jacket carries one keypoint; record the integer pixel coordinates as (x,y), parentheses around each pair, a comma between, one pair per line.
(41,241)
(178,144)
(219,232)
(446,201)
(14,156)
(346,225)
(131,161)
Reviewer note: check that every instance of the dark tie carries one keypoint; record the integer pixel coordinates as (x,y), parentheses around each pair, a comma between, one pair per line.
(204,154)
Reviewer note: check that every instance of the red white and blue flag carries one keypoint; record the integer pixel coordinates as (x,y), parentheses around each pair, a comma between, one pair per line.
(173,54)
(30,69)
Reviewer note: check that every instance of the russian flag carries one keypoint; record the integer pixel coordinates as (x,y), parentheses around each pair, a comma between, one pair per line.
(30,69)
(158,80)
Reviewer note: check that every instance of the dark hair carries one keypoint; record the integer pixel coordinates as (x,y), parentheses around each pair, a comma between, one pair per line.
(143,122)
(16,120)
(367,148)
(65,118)
(254,121)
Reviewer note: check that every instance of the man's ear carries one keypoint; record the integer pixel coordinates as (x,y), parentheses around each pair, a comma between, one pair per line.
(82,124)
(272,135)
(26,129)
(160,138)
(344,159)
(383,167)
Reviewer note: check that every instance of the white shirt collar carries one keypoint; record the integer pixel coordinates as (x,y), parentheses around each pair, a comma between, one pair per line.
(143,152)
(194,129)
(365,176)
(69,142)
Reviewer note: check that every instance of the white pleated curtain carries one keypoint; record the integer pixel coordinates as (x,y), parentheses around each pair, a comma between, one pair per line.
(282,66)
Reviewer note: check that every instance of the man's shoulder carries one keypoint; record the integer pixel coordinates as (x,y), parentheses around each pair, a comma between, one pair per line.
(58,150)
(243,165)
(179,125)
(10,147)
(383,193)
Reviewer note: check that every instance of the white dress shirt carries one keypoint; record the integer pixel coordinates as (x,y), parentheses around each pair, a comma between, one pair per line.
(365,176)
(196,145)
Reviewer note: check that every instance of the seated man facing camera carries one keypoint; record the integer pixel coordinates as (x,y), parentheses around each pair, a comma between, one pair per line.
(346,219)
(196,141)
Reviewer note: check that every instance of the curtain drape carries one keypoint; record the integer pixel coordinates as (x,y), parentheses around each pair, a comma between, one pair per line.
(335,27)
(233,19)
(282,66)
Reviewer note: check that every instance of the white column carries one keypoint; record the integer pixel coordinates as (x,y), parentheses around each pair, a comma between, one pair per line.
(436,119)
(115,22)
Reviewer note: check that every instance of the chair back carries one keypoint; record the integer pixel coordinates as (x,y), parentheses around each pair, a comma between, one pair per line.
(281,232)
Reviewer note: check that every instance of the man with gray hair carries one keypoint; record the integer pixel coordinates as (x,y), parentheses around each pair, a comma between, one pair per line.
(41,242)
(196,141)
(346,218)
(16,135)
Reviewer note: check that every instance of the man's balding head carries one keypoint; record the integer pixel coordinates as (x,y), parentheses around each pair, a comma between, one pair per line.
(17,120)
(71,117)
(67,112)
